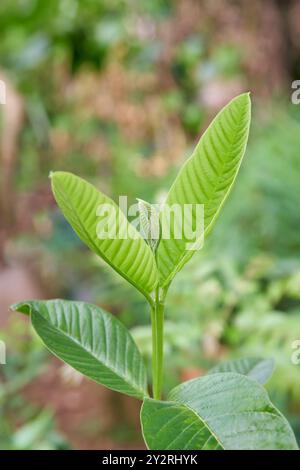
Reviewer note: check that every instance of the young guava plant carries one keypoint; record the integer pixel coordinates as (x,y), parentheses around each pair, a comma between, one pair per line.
(226,409)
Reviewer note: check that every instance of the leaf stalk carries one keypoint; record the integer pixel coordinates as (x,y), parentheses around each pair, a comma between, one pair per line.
(157,319)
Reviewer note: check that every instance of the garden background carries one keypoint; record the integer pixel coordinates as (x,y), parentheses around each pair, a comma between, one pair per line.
(119,92)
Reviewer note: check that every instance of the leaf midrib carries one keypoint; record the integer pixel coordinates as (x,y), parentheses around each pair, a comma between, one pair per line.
(200,418)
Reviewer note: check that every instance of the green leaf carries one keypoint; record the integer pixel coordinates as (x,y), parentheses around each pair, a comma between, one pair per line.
(254,367)
(80,203)
(172,426)
(237,410)
(206,178)
(92,341)
(218,411)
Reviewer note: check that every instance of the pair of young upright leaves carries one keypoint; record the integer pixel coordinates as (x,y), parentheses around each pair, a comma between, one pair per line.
(206,178)
(234,411)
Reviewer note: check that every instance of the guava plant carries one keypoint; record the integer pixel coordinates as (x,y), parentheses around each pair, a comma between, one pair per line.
(226,409)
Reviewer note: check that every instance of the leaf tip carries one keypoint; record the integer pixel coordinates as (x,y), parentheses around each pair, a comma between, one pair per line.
(54,174)
(248,94)
(246,97)
(22,307)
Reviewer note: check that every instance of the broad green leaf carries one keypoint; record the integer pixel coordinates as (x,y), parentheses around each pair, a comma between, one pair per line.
(206,178)
(172,426)
(92,341)
(127,253)
(238,412)
(221,411)
(255,367)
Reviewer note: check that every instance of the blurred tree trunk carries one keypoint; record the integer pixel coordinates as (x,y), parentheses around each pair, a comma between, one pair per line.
(13,117)
(290,14)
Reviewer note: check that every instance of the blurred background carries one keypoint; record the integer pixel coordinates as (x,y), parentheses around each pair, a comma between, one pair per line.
(119,93)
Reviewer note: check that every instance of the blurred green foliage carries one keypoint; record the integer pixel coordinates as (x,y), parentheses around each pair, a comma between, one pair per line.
(240,295)
(24,425)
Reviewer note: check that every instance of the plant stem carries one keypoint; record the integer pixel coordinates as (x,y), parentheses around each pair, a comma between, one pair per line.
(157,316)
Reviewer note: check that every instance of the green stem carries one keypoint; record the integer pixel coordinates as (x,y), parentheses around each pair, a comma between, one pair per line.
(157,316)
